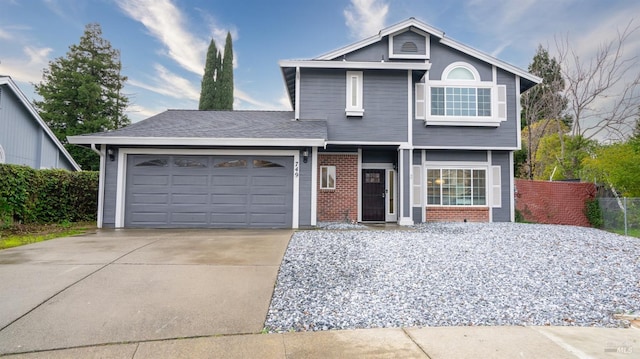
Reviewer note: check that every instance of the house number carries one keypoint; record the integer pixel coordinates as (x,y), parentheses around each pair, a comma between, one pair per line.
(296,169)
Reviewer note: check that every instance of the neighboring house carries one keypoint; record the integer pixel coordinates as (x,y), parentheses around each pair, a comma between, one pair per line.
(405,127)
(25,139)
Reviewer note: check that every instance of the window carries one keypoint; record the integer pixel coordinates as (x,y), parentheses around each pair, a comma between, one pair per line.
(460,101)
(190,163)
(231,163)
(354,94)
(461,98)
(327,177)
(457,187)
(153,163)
(265,164)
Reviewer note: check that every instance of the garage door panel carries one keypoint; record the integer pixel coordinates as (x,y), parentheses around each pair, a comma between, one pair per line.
(209,191)
(229,180)
(189,217)
(151,180)
(258,199)
(229,199)
(190,180)
(184,198)
(150,217)
(150,198)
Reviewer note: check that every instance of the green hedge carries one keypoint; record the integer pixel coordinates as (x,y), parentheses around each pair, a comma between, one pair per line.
(46,196)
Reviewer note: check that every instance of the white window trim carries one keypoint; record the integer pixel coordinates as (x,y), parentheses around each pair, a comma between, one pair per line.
(123,154)
(331,170)
(458,167)
(425,56)
(356,110)
(481,121)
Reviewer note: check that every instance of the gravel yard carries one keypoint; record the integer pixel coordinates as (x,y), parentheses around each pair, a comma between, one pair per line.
(456,274)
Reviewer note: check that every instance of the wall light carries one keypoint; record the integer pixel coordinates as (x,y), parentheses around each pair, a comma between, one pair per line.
(111,154)
(305,155)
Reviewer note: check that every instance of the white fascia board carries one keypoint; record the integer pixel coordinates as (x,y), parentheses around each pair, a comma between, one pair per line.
(367,65)
(195,141)
(490,59)
(474,148)
(21,96)
(393,29)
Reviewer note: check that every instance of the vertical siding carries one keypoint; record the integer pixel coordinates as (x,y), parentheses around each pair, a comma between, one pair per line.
(49,153)
(456,155)
(323,97)
(442,56)
(406,183)
(110,183)
(19,132)
(417,39)
(304,199)
(501,158)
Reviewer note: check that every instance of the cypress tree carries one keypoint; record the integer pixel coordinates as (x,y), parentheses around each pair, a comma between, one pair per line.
(208,86)
(225,81)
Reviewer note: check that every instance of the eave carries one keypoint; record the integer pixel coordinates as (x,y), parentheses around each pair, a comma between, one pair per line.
(197,141)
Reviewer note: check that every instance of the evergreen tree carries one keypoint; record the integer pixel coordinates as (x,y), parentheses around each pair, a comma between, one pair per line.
(225,82)
(211,70)
(81,93)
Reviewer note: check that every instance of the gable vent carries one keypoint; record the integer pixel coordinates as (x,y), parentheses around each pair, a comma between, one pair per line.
(409,46)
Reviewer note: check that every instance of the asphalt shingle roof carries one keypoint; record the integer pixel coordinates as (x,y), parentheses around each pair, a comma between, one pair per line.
(222,124)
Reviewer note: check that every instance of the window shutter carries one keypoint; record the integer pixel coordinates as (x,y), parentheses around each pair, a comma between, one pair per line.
(502,102)
(420,101)
(496,186)
(417,186)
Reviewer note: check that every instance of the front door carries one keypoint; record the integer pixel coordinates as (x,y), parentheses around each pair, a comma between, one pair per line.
(373,195)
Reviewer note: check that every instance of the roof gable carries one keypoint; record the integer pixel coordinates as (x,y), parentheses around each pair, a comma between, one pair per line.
(6,80)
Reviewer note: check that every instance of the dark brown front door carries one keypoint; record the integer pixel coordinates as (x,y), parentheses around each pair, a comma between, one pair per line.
(373,188)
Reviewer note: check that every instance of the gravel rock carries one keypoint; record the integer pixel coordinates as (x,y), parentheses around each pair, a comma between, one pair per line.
(456,274)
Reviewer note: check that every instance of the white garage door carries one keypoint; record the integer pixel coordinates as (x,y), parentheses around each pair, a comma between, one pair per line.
(165,191)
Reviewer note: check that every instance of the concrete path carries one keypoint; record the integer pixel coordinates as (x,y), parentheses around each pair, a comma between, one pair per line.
(205,293)
(137,285)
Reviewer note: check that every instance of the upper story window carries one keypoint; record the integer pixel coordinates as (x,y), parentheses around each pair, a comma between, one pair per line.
(461,98)
(354,98)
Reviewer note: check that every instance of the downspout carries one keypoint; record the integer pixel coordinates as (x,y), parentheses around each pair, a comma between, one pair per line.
(100,153)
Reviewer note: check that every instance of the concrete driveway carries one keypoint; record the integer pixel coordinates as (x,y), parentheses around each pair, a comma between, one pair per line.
(122,286)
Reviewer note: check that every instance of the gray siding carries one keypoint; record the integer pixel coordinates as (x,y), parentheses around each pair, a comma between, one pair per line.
(23,139)
(504,136)
(380,156)
(304,200)
(110,184)
(417,214)
(417,39)
(442,56)
(417,157)
(455,155)
(373,52)
(20,135)
(323,96)
(406,183)
(501,158)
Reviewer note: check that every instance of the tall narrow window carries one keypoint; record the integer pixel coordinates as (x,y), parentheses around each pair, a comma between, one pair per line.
(327,177)
(354,94)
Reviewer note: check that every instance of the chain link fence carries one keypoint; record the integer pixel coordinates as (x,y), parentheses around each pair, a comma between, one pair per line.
(621,215)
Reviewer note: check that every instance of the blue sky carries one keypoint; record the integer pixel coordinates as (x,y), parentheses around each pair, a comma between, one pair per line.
(163,42)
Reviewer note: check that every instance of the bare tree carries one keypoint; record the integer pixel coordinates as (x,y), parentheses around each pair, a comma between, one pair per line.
(603,92)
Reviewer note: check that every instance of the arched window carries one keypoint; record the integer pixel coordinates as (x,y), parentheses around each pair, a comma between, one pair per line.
(460,71)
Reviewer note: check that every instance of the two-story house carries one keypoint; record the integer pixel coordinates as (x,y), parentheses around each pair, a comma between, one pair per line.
(407,126)
(25,139)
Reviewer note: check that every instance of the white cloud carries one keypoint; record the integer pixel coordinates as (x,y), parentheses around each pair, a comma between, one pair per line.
(366,18)
(169,84)
(27,70)
(166,22)
(137,113)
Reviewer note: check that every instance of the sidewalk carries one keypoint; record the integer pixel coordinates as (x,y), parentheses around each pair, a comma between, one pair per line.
(434,343)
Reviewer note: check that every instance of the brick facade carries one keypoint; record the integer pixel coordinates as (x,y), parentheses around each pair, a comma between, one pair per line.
(554,202)
(340,204)
(457,214)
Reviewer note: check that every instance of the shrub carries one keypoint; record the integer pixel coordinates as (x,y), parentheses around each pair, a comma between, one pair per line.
(46,196)
(594,213)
